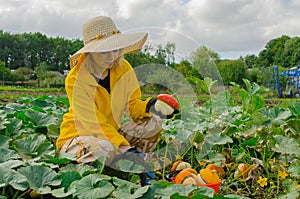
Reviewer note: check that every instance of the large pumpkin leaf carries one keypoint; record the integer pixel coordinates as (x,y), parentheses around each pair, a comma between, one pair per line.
(67,179)
(177,190)
(7,154)
(33,145)
(4,141)
(11,177)
(295,109)
(218,139)
(41,119)
(12,163)
(40,178)
(83,169)
(127,189)
(17,107)
(3,121)
(92,186)
(286,145)
(14,128)
(294,170)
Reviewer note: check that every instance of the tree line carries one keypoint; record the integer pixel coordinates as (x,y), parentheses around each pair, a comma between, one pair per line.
(36,56)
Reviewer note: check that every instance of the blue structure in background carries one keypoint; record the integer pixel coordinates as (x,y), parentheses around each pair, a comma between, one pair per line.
(293,75)
(292,84)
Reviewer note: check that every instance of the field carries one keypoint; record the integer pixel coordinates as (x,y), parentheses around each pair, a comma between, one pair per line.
(225,130)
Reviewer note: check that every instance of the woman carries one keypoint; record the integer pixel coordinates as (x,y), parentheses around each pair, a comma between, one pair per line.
(101,86)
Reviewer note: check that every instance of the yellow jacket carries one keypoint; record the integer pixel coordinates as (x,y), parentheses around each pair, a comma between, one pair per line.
(93,111)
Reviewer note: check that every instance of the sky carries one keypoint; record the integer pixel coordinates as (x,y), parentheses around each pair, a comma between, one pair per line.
(231,28)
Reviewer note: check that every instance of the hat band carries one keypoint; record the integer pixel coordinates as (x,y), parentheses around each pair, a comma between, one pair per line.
(100,36)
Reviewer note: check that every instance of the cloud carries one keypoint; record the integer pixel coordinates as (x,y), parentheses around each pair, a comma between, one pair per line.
(232,28)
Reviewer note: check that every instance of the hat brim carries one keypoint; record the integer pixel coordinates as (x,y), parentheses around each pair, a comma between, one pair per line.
(129,43)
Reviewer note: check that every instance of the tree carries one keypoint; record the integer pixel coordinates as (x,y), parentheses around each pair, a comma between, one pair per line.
(184,67)
(271,55)
(232,71)
(203,60)
(25,72)
(290,56)
(250,60)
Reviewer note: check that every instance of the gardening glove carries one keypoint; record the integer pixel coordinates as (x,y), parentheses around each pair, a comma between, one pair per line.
(165,106)
(138,159)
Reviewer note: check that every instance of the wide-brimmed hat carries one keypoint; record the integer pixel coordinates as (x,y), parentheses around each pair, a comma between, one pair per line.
(100,34)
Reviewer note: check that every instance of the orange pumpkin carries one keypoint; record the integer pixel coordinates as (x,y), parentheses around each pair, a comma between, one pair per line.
(180,165)
(186,177)
(208,176)
(214,167)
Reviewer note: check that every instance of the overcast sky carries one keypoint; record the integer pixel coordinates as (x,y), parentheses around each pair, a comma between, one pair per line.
(231,28)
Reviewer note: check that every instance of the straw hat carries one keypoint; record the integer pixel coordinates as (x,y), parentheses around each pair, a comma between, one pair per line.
(100,34)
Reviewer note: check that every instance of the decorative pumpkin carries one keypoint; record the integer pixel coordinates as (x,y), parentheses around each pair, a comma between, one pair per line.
(244,170)
(169,99)
(186,177)
(207,176)
(219,170)
(180,165)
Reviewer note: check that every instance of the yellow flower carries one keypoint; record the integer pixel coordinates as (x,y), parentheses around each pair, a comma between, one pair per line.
(282,174)
(298,186)
(262,181)
(201,163)
(229,164)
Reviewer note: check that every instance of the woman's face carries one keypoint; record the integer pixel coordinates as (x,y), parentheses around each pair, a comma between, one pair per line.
(105,60)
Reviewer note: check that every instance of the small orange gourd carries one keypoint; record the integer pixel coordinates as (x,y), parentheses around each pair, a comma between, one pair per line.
(186,177)
(180,165)
(244,170)
(208,176)
(214,167)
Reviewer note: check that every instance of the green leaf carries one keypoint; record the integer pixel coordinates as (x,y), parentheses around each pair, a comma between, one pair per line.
(13,178)
(14,128)
(41,119)
(92,187)
(99,163)
(40,178)
(179,190)
(275,115)
(4,141)
(127,189)
(7,154)
(294,194)
(232,196)
(218,139)
(238,153)
(130,166)
(17,107)
(294,170)
(286,145)
(69,177)
(60,193)
(3,122)
(295,109)
(33,145)
(83,169)
(12,163)
(216,157)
